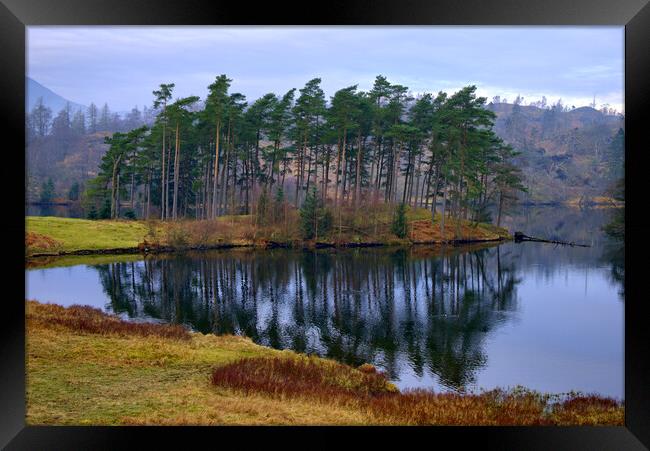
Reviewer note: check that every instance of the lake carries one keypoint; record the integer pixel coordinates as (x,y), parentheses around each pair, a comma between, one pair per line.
(62,211)
(466,318)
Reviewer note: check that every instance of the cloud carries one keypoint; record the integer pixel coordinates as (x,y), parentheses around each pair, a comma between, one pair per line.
(122,65)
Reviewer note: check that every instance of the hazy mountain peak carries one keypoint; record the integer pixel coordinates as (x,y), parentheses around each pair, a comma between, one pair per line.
(50,98)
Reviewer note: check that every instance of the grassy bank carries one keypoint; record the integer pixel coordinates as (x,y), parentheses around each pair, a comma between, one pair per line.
(85,367)
(61,236)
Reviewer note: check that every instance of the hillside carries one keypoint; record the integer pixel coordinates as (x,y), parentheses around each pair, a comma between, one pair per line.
(74,159)
(565,155)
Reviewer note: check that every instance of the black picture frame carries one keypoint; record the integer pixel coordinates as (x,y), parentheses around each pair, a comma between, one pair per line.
(15,15)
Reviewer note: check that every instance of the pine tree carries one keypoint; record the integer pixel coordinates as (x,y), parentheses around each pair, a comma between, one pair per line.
(92,213)
(92,118)
(399,226)
(314,219)
(41,118)
(161,97)
(105,211)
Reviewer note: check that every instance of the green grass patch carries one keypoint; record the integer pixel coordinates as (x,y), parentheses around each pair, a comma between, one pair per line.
(81,234)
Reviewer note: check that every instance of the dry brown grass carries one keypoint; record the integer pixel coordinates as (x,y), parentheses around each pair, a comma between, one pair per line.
(426,231)
(41,242)
(588,410)
(304,377)
(369,391)
(423,407)
(85,319)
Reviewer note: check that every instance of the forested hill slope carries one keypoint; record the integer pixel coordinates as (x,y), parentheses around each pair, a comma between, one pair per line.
(565,154)
(66,160)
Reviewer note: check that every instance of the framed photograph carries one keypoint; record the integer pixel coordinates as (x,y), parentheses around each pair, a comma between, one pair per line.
(399,215)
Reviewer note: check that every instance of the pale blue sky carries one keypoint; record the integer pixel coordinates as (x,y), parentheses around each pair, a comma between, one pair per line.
(123,65)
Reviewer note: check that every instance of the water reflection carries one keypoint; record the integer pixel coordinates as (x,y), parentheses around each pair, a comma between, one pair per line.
(571,225)
(73,210)
(431,307)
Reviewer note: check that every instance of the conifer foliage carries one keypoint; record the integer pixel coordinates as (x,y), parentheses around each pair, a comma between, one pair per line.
(314,218)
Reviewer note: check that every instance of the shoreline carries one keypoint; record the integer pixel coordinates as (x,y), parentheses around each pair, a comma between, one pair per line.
(57,237)
(89,367)
(267,245)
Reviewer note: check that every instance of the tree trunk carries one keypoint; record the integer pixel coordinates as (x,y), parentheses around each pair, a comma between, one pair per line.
(234,202)
(357,182)
(168,170)
(338,170)
(176,170)
(115,188)
(148,212)
(326,177)
(132,181)
(308,184)
(343,185)
(500,208)
(406,184)
(395,174)
(162,177)
(444,208)
(213,213)
(247,178)
(223,206)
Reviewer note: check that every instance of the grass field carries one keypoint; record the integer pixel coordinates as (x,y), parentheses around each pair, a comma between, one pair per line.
(85,367)
(82,234)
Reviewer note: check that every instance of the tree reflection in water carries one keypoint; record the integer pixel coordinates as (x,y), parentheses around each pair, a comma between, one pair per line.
(430,309)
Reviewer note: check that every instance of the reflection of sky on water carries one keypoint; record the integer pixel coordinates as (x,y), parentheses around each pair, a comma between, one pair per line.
(66,286)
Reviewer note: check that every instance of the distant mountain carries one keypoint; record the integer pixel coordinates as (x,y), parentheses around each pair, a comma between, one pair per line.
(50,98)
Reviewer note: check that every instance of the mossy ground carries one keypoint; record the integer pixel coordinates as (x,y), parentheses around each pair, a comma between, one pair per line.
(121,374)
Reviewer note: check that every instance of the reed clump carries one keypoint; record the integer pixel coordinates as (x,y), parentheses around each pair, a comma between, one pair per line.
(301,377)
(369,391)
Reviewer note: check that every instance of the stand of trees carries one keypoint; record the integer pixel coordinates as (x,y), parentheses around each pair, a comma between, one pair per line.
(216,157)
(69,122)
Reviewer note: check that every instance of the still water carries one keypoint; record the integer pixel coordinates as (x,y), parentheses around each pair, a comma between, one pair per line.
(62,211)
(455,319)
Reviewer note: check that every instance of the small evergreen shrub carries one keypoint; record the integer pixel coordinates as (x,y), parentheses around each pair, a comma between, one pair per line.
(92,213)
(315,220)
(105,211)
(399,225)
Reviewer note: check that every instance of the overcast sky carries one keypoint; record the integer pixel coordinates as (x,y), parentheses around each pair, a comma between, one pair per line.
(123,65)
